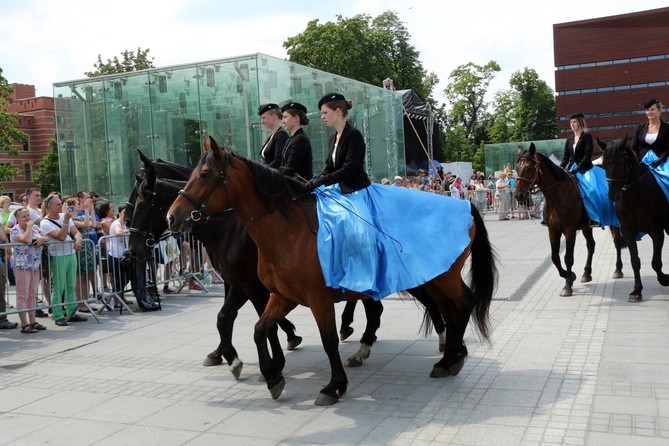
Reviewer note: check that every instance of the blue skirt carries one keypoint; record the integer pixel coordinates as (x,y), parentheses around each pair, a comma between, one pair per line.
(661,172)
(384,239)
(594,191)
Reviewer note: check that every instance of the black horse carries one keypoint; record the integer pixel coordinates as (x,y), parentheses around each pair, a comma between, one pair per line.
(228,241)
(640,205)
(227,247)
(564,213)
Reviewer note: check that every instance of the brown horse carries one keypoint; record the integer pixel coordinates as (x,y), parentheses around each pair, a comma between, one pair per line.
(564,213)
(281,218)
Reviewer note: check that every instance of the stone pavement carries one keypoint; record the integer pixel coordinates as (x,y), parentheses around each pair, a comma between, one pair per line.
(589,369)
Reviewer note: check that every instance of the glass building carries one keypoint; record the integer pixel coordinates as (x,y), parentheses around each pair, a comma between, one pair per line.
(499,156)
(165,112)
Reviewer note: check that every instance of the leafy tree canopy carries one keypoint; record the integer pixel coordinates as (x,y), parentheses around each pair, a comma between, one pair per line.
(468,119)
(9,134)
(130,61)
(47,174)
(363,48)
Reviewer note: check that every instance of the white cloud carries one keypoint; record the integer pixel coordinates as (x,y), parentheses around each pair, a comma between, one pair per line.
(46,42)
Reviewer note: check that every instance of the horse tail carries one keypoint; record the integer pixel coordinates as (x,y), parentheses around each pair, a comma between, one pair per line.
(483,274)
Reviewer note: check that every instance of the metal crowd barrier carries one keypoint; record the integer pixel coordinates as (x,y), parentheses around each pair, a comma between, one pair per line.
(85,286)
(491,201)
(182,259)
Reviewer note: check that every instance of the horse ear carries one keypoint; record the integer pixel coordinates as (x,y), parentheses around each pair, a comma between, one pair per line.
(532,149)
(150,176)
(206,143)
(144,158)
(138,178)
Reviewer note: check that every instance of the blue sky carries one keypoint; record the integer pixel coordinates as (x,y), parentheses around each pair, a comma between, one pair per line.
(42,41)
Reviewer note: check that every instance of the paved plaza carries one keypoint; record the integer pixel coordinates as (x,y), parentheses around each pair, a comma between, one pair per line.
(589,369)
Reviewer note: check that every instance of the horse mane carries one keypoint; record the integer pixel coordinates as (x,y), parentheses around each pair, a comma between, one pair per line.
(162,168)
(546,162)
(272,187)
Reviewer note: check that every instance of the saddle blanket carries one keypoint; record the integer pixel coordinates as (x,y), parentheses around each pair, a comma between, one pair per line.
(384,239)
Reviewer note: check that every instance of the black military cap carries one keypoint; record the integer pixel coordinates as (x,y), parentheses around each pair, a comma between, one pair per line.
(576,116)
(330,97)
(650,102)
(294,106)
(266,107)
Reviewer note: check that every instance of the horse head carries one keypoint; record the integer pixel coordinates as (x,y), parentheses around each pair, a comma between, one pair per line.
(527,171)
(202,193)
(617,161)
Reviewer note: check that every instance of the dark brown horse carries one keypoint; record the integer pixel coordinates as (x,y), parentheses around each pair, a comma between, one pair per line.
(564,213)
(641,206)
(281,218)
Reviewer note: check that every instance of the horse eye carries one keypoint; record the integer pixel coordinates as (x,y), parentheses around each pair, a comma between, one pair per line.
(205,174)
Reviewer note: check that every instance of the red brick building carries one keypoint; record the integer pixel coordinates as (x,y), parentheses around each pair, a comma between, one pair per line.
(36,119)
(607,67)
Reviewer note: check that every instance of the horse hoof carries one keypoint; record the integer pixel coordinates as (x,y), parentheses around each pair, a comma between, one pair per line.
(353,361)
(663,279)
(325,400)
(617,274)
(586,279)
(634,298)
(452,370)
(236,367)
(345,333)
(566,292)
(277,389)
(293,343)
(212,360)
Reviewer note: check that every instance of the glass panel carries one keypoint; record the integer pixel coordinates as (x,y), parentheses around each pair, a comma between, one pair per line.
(165,112)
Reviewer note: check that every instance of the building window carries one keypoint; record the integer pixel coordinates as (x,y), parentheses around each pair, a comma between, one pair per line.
(26,145)
(27,172)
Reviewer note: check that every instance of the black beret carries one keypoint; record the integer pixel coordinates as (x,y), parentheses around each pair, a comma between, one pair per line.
(649,103)
(294,106)
(576,116)
(266,107)
(330,97)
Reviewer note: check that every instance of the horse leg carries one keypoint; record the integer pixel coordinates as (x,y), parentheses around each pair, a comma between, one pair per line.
(554,237)
(347,319)
(590,244)
(619,244)
(323,311)
(570,276)
(225,322)
(658,242)
(455,300)
(259,302)
(277,308)
(635,295)
(289,328)
(373,311)
(432,310)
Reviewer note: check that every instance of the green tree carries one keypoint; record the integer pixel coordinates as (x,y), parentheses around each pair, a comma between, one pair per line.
(368,50)
(534,107)
(468,120)
(47,174)
(9,134)
(130,61)
(502,120)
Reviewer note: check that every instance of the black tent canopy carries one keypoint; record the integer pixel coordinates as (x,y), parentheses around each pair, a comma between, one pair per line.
(420,132)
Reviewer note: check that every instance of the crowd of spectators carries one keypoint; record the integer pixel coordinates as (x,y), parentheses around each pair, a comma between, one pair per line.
(54,243)
(492,194)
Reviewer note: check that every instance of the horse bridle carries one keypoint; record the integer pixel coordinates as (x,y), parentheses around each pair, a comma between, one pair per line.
(534,180)
(151,240)
(198,212)
(628,170)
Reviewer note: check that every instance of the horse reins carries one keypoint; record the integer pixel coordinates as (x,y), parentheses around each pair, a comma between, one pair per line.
(626,181)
